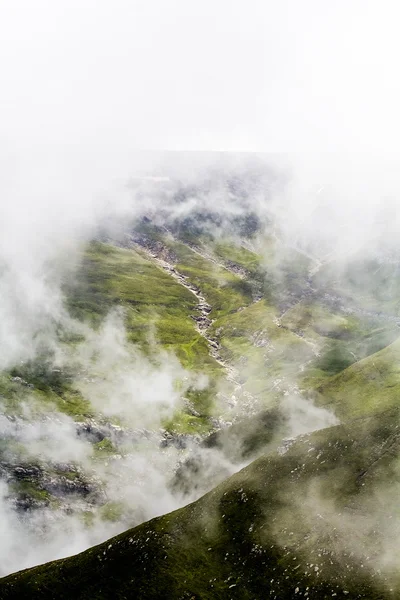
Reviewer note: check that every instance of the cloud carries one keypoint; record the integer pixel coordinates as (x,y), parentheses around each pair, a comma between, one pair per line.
(119,380)
(87,87)
(47,437)
(129,477)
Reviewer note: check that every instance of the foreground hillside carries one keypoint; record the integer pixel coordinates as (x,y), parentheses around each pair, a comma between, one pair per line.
(319,521)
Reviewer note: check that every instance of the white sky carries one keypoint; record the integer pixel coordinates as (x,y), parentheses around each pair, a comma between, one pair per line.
(282,75)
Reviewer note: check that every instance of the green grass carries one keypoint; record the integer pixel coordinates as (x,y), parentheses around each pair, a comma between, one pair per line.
(154,302)
(232,253)
(251,436)
(202,401)
(10,394)
(341,339)
(112,277)
(154,306)
(283,271)
(367,386)
(112,511)
(316,318)
(182,422)
(62,397)
(104,448)
(225,291)
(29,490)
(366,282)
(281,351)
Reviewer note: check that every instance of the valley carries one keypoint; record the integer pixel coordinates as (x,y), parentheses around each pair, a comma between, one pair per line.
(249,352)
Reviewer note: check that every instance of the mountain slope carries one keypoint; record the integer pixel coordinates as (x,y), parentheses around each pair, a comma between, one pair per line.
(287,526)
(266,338)
(367,386)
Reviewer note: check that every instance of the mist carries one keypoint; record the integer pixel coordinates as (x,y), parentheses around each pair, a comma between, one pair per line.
(300,102)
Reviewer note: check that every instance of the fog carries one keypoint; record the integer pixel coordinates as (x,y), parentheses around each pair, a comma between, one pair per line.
(86,89)
(96,94)
(147,75)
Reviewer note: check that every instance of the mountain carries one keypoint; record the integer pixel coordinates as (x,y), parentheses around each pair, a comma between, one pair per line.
(205,364)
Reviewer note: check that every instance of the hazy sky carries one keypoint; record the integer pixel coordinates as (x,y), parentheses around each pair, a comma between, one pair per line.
(211,74)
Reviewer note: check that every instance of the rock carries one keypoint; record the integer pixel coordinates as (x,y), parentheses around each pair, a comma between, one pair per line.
(22,382)
(91,431)
(30,486)
(28,503)
(179,440)
(29,472)
(286,443)
(190,408)
(62,486)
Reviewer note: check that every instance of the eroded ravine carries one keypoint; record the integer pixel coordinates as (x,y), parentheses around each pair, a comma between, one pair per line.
(201,316)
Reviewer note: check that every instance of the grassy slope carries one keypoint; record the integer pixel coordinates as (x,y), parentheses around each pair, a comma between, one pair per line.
(239,324)
(281,271)
(365,282)
(111,277)
(260,349)
(114,277)
(52,390)
(155,306)
(369,385)
(341,339)
(225,291)
(260,534)
(154,303)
